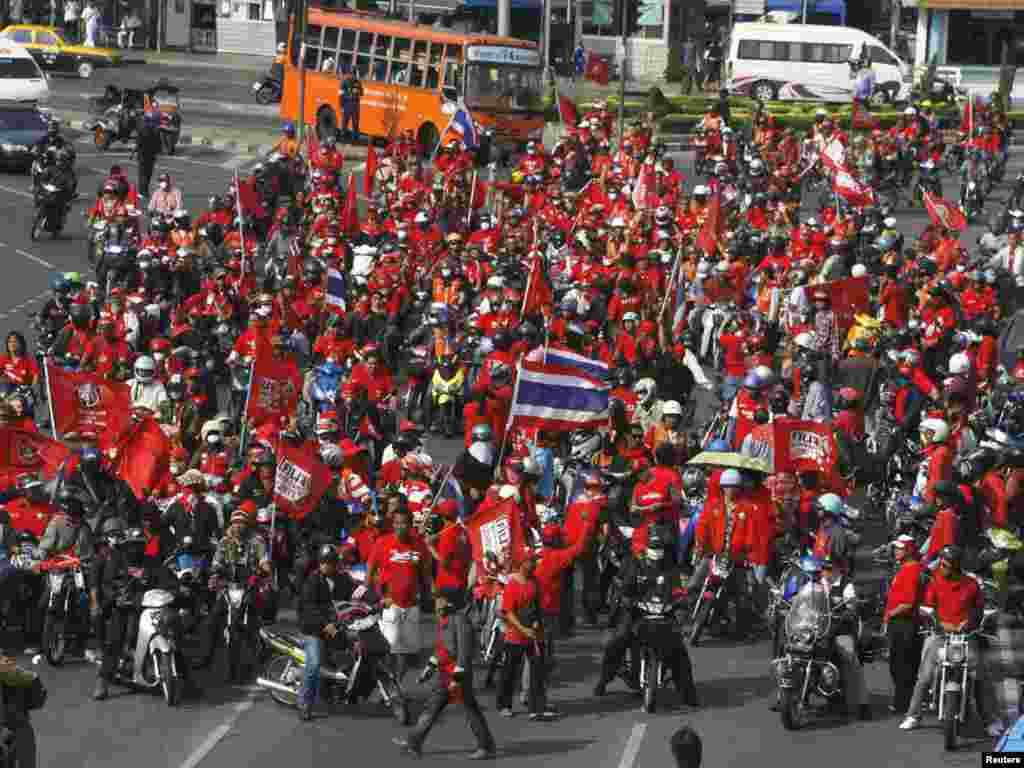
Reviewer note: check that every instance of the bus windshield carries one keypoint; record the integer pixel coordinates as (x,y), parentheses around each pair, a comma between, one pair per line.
(503,88)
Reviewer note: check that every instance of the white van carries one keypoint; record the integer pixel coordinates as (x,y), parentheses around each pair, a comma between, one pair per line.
(808,61)
(20,76)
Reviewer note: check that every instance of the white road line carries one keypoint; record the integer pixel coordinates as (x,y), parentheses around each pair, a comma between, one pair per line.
(36,259)
(203,750)
(632,750)
(19,192)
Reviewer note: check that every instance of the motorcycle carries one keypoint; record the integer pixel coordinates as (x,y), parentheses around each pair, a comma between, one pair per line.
(927,181)
(267,89)
(156,660)
(952,689)
(351,670)
(660,637)
(189,569)
(51,212)
(710,603)
(67,606)
(807,668)
(446,390)
(240,630)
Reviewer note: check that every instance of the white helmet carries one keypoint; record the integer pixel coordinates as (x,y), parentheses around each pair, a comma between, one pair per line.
(804,340)
(910,112)
(330,454)
(671,408)
(421,218)
(644,388)
(859,270)
(281,48)
(938,428)
(959,364)
(145,368)
(630,316)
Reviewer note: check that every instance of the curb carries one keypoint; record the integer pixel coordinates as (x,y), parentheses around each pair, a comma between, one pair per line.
(187,139)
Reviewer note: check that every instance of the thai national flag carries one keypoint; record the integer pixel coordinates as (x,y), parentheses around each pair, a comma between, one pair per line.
(335,294)
(558,398)
(565,358)
(463,125)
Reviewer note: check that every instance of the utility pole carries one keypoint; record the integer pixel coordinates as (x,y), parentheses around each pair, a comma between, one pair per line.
(622,71)
(300,129)
(412,11)
(504,17)
(894,22)
(546,10)
(804,11)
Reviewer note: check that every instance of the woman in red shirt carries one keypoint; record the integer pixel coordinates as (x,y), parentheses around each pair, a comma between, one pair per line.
(17,367)
(524,639)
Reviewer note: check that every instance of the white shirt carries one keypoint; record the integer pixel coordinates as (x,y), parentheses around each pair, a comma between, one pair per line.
(147,394)
(72,10)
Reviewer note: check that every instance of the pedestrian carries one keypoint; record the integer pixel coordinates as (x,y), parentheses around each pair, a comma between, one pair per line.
(688,58)
(453,680)
(901,622)
(22,691)
(350,95)
(91,19)
(579,60)
(686,748)
(16,11)
(72,13)
(147,147)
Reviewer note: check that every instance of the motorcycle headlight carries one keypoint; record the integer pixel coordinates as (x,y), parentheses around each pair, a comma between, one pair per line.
(235,595)
(955,653)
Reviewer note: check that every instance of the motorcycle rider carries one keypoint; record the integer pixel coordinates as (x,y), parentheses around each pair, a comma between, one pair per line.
(21,692)
(124,577)
(843,595)
(959,603)
(937,464)
(146,390)
(320,591)
(652,574)
(60,174)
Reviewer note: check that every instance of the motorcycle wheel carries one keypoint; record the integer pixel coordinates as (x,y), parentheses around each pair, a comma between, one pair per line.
(792,710)
(54,641)
(37,226)
(702,619)
(653,679)
(265,95)
(281,669)
(101,138)
(169,682)
(950,721)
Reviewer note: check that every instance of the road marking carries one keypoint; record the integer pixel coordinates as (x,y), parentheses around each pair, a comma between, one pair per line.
(203,750)
(632,750)
(13,191)
(36,259)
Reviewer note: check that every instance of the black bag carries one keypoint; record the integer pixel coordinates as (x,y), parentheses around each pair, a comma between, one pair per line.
(37,694)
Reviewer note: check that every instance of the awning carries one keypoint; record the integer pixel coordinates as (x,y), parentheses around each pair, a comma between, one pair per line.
(970,5)
(832,7)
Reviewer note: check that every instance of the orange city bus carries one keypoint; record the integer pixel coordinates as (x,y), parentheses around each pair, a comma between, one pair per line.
(414,77)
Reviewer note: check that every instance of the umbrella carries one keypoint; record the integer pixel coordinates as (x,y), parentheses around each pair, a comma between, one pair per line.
(733,460)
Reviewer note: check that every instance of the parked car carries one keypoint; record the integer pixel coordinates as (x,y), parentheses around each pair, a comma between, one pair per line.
(53,54)
(21,128)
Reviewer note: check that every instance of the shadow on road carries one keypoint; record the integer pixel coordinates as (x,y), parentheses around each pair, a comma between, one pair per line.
(732,692)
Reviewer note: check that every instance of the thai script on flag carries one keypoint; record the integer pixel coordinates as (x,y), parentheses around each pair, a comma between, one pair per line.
(568,359)
(558,398)
(335,293)
(834,156)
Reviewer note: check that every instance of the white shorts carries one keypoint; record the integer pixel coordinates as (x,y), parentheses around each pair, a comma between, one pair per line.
(401,628)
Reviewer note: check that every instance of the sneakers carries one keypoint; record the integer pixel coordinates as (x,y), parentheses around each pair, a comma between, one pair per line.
(506,712)
(482,754)
(101,691)
(406,747)
(910,723)
(600,689)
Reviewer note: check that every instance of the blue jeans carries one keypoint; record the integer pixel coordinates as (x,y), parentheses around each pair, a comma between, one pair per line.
(313,648)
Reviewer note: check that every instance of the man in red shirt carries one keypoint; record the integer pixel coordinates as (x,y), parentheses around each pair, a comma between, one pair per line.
(452,550)
(959,604)
(524,639)
(399,571)
(582,517)
(901,613)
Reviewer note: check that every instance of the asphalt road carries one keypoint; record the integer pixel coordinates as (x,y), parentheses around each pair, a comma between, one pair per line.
(243,727)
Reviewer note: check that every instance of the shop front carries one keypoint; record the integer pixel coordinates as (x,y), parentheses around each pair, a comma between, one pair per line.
(969,33)
(246,26)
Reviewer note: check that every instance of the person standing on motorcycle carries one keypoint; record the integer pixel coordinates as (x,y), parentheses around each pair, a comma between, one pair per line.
(900,621)
(123,578)
(399,569)
(653,573)
(959,603)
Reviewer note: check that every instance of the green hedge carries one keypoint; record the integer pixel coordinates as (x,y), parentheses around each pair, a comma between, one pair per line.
(685,122)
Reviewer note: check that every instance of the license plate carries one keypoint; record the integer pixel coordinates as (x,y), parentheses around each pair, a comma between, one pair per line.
(79,579)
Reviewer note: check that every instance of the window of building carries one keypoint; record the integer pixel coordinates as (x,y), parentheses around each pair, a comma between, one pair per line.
(365,45)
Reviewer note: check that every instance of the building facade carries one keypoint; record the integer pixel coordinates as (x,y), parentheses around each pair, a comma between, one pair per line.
(969,33)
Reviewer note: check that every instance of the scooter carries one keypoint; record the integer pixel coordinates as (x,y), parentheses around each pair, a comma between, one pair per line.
(267,90)
(156,660)
(51,212)
(66,606)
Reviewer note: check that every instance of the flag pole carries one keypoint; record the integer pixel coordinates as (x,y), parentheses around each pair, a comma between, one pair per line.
(511,416)
(472,194)
(241,219)
(245,409)
(49,397)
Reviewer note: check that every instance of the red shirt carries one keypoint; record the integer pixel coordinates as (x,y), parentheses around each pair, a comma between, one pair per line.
(734,354)
(955,600)
(582,516)
(945,530)
(549,573)
(906,588)
(517,597)
(398,568)
(18,370)
(456,555)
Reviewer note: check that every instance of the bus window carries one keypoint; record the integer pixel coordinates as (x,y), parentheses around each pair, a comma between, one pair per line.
(363,65)
(313,47)
(452,81)
(399,73)
(416,76)
(497,86)
(348,40)
(330,44)
(403,49)
(365,43)
(383,47)
(433,78)
(379,70)
(453,53)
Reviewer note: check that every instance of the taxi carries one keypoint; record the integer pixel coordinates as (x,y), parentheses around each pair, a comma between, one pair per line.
(53,54)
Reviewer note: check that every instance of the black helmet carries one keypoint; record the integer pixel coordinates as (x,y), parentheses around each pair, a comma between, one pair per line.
(657,542)
(952,554)
(68,502)
(328,554)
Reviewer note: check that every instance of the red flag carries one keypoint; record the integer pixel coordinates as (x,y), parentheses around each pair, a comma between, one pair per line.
(371,170)
(567,111)
(851,190)
(275,388)
(29,515)
(23,452)
(707,239)
(497,531)
(597,69)
(804,446)
(538,290)
(644,189)
(141,455)
(945,213)
(350,213)
(302,479)
(248,199)
(849,297)
(85,404)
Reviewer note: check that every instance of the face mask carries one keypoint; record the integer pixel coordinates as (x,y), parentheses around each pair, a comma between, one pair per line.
(263,311)
(164,185)
(213,440)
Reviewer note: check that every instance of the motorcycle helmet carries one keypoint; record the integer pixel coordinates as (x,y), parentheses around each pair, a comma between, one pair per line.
(644,389)
(112,531)
(671,408)
(830,505)
(952,554)
(719,446)
(731,478)
(657,543)
(482,433)
(145,368)
(328,554)
(68,503)
(752,381)
(693,481)
(331,455)
(934,431)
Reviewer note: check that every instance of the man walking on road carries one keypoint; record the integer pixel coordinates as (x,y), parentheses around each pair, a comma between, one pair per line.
(147,147)
(350,95)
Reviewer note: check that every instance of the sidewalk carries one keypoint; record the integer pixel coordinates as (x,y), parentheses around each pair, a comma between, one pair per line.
(183,60)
